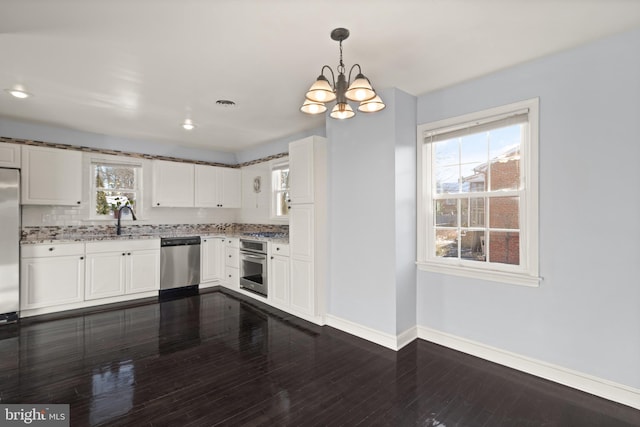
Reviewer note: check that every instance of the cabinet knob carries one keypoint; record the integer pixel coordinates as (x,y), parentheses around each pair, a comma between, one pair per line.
(128,253)
(229,256)
(81,257)
(229,276)
(123,254)
(78,202)
(51,249)
(277,249)
(271,257)
(157,204)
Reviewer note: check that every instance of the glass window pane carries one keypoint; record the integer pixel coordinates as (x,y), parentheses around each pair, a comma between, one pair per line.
(472,245)
(447,179)
(447,243)
(115,177)
(446,153)
(472,212)
(284,179)
(282,207)
(446,213)
(504,247)
(504,212)
(473,160)
(505,158)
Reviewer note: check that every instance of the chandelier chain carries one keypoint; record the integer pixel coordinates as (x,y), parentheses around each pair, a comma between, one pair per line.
(341,68)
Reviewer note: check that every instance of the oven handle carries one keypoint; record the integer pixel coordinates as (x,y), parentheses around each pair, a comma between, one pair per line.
(261,257)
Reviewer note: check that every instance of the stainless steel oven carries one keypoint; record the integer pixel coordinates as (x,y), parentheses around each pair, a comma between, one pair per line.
(253,266)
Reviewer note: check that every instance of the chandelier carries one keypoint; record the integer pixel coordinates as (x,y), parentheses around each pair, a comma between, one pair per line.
(323,91)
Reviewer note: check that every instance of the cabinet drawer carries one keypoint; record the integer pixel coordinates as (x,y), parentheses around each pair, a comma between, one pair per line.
(232,275)
(231,257)
(280,249)
(232,242)
(51,250)
(122,245)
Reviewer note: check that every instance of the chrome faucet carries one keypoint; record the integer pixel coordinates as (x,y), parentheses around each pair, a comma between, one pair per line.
(119,215)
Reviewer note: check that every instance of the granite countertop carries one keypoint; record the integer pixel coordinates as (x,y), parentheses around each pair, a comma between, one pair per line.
(109,237)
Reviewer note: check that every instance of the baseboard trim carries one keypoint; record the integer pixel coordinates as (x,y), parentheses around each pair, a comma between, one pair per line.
(597,386)
(364,332)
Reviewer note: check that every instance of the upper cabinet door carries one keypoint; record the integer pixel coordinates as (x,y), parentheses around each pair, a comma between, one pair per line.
(230,188)
(173,184)
(9,155)
(51,176)
(301,171)
(206,187)
(217,187)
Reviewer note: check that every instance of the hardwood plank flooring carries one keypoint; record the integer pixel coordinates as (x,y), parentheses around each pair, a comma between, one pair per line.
(219,359)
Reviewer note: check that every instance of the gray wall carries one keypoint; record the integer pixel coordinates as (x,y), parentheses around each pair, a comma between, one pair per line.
(372,275)
(12,128)
(586,313)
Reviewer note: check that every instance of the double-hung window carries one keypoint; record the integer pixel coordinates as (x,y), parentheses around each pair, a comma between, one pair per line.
(114,185)
(280,191)
(478,195)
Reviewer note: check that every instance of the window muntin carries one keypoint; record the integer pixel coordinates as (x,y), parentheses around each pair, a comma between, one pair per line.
(280,191)
(114,185)
(478,195)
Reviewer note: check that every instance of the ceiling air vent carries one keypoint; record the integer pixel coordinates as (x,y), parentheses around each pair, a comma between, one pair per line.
(225,103)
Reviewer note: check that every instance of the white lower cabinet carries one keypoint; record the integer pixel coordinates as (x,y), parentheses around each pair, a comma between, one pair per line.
(232,263)
(117,268)
(51,275)
(211,260)
(279,289)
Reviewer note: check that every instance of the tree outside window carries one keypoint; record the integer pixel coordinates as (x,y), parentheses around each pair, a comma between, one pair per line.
(114,186)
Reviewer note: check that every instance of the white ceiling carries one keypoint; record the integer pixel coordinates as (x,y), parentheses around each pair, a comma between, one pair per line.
(138,68)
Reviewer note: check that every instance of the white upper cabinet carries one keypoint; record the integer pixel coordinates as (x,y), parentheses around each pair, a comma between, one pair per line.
(173,184)
(9,155)
(217,187)
(301,176)
(51,176)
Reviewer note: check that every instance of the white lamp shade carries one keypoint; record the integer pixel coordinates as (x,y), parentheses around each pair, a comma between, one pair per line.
(372,105)
(321,91)
(310,107)
(342,111)
(360,90)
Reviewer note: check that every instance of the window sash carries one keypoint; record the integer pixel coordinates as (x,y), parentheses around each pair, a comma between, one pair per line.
(526,273)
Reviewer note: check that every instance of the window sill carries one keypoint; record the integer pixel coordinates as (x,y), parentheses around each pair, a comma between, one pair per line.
(520,279)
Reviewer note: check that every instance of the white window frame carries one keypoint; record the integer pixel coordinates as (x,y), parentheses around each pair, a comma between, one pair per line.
(527,273)
(277,165)
(116,161)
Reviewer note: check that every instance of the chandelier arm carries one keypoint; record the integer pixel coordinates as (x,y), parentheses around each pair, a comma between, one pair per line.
(351,70)
(333,77)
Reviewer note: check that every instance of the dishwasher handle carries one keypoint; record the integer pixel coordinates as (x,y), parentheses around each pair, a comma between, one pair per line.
(179,241)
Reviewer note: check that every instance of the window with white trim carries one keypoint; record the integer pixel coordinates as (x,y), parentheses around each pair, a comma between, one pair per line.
(114,185)
(280,191)
(478,195)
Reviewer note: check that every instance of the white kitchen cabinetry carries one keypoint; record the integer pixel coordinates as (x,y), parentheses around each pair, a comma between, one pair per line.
(117,268)
(307,228)
(301,170)
(173,184)
(9,155)
(232,263)
(51,176)
(51,275)
(211,260)
(279,288)
(217,187)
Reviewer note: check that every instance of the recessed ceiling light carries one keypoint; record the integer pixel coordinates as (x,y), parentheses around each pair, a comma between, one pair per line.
(188,125)
(18,93)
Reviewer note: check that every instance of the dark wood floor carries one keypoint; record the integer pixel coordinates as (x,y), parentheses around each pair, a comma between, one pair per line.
(214,359)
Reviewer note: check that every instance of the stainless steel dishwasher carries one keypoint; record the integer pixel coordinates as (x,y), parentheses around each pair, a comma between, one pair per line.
(179,263)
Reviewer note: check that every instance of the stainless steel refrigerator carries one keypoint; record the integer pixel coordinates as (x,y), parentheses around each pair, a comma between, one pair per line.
(9,245)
